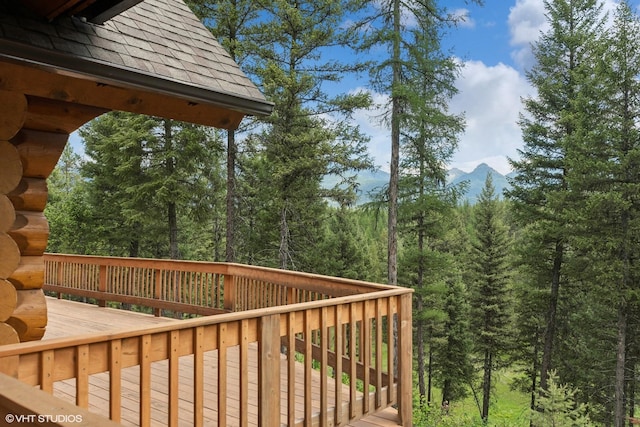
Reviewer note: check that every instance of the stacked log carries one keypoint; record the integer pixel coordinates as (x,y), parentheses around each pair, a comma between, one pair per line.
(33,134)
(13,111)
(27,158)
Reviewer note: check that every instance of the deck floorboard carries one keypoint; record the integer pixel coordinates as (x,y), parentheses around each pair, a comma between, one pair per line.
(68,318)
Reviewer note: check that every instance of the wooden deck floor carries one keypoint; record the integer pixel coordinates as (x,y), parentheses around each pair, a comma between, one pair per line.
(67,318)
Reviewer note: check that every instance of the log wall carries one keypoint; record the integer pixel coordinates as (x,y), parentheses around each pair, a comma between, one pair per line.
(33,134)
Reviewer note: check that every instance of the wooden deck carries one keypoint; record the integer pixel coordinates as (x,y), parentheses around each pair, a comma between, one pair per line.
(67,318)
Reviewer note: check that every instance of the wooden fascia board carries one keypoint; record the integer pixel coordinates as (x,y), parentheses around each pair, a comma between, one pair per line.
(70,89)
(190,103)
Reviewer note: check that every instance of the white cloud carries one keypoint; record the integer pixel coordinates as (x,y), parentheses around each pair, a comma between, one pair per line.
(526,22)
(463,18)
(490,97)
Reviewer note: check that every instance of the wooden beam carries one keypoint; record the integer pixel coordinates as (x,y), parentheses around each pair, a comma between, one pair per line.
(39,151)
(58,116)
(70,89)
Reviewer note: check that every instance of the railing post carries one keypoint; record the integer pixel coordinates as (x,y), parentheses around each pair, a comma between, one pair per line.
(157,291)
(59,274)
(102,283)
(229,283)
(269,372)
(405,360)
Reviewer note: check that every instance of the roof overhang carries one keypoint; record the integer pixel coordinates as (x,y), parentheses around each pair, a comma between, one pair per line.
(104,73)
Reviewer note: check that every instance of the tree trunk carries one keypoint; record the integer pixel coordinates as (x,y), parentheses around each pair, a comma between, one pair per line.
(394,173)
(174,252)
(486,385)
(550,331)
(419,346)
(172,215)
(231,196)
(430,374)
(619,415)
(284,239)
(631,389)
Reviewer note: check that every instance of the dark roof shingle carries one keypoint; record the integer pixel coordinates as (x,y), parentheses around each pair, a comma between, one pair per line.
(160,39)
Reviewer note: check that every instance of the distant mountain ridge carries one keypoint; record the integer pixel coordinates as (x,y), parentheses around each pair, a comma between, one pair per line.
(475,181)
(369,182)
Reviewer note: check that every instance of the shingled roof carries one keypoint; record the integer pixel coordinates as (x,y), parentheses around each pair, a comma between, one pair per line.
(157,45)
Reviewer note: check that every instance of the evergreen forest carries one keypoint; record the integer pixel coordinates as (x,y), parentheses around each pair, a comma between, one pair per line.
(540,284)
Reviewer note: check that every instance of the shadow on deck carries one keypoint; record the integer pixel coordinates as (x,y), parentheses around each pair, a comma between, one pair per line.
(68,319)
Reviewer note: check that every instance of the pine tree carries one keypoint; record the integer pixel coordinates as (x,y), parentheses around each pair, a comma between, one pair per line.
(424,202)
(308,136)
(490,290)
(386,28)
(558,407)
(66,208)
(143,173)
(232,22)
(606,174)
(540,190)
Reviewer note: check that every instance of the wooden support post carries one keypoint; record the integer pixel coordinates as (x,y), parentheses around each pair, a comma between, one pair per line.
(157,291)
(269,372)
(102,284)
(229,292)
(405,356)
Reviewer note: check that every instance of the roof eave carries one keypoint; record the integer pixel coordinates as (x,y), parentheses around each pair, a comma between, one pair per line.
(106,73)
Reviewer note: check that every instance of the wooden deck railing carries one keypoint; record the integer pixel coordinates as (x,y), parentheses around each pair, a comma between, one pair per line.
(356,335)
(190,286)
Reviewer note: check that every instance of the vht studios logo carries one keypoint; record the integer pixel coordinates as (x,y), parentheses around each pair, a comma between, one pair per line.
(42,418)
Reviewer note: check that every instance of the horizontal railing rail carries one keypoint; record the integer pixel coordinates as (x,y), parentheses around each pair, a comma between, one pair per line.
(356,349)
(193,287)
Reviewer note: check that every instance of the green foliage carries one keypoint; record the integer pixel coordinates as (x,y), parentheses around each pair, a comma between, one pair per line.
(150,187)
(557,407)
(119,200)
(490,292)
(307,137)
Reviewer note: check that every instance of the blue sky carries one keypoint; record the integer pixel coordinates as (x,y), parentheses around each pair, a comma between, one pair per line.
(493,43)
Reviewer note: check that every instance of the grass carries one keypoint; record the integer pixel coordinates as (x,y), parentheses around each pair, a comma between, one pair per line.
(508,408)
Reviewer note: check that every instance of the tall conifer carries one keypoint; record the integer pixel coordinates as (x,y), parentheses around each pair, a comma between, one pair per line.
(540,190)
(490,290)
